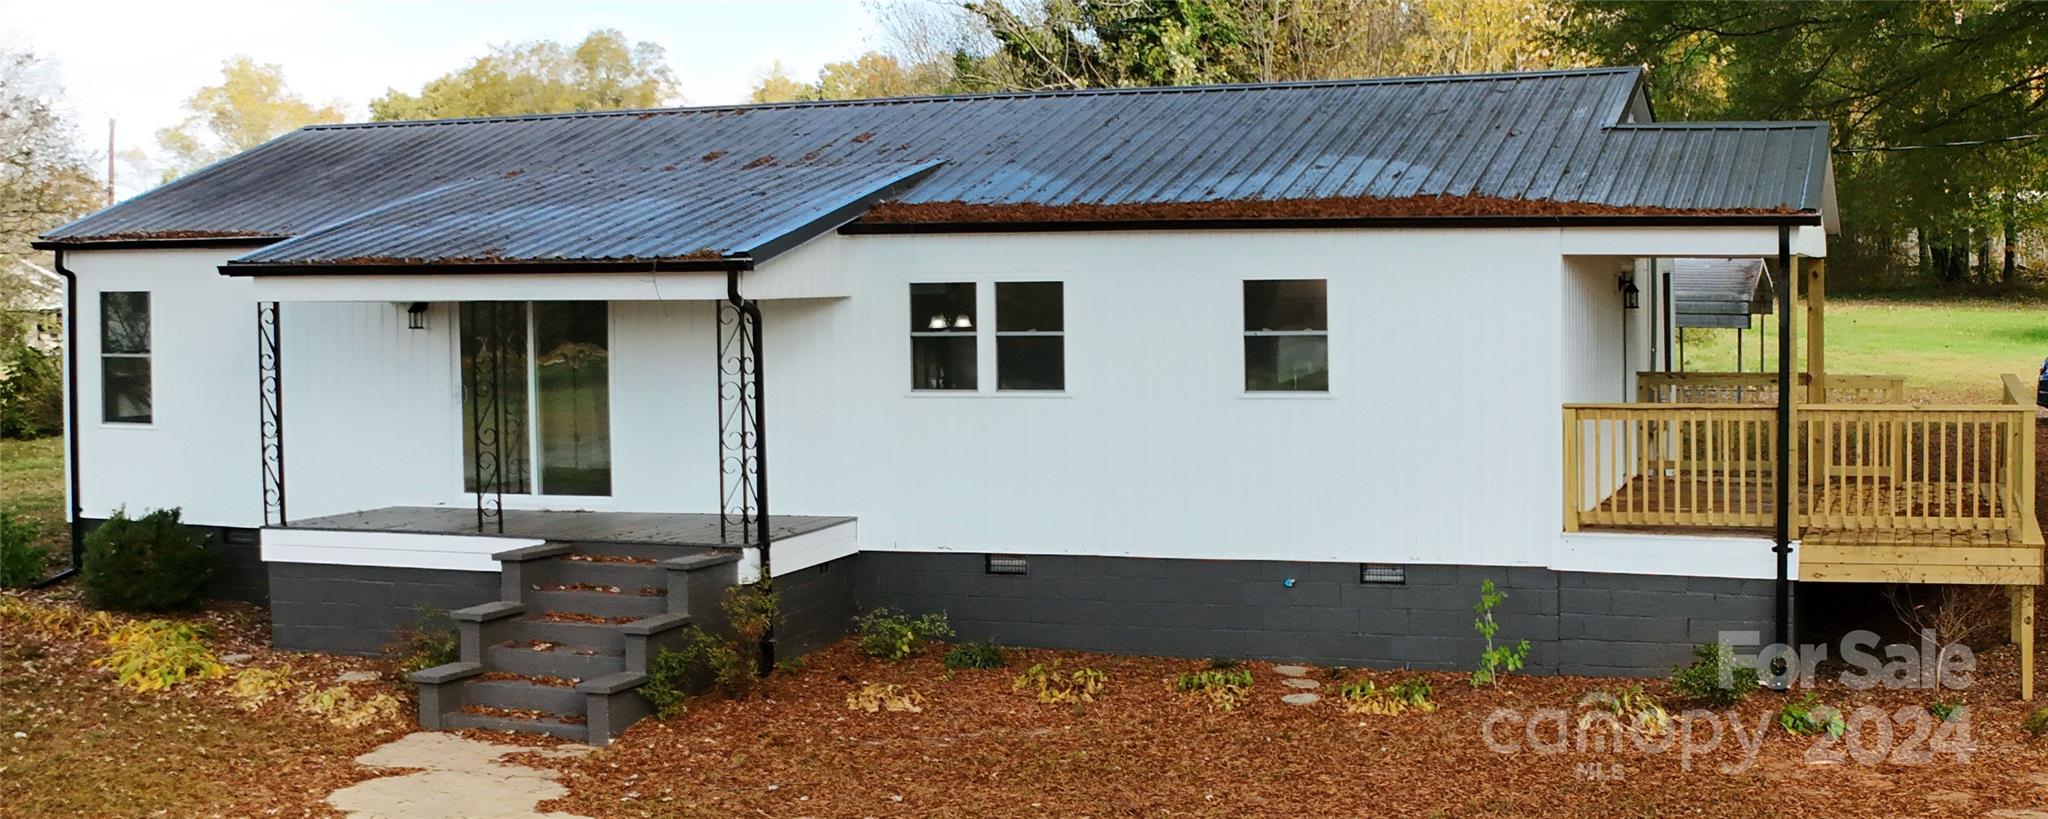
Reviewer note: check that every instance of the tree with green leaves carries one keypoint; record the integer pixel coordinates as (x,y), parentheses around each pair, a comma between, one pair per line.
(45,180)
(606,71)
(870,76)
(1923,100)
(251,104)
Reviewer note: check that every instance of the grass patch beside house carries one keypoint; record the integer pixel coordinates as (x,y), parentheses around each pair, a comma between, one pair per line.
(1948,351)
(32,486)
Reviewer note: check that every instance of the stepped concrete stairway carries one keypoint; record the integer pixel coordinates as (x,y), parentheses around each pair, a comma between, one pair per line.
(565,649)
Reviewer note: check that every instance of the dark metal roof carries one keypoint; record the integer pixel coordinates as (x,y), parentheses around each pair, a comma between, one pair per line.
(1718,292)
(1544,137)
(694,212)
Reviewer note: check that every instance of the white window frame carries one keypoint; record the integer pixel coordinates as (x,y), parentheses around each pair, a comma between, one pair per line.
(533,498)
(148,358)
(984,293)
(1000,334)
(1244,361)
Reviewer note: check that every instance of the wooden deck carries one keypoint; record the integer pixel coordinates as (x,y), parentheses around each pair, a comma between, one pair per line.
(647,528)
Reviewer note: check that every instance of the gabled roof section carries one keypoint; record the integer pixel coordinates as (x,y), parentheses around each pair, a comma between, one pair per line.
(691,215)
(1552,142)
(1718,292)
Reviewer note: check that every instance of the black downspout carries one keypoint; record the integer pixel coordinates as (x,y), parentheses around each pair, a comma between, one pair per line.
(1670,319)
(752,313)
(1786,469)
(71,420)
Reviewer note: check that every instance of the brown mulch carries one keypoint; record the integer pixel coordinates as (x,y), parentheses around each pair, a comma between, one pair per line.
(979,748)
(88,747)
(1317,208)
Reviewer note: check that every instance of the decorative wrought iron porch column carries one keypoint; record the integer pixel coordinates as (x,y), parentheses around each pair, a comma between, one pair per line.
(739,460)
(270,415)
(487,324)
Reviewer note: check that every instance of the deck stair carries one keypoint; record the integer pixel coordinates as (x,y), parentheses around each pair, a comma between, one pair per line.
(565,649)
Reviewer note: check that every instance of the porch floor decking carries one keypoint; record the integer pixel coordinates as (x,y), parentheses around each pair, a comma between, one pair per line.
(649,528)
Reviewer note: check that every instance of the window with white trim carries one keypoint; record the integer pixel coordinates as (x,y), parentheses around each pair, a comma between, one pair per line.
(125,389)
(943,333)
(550,394)
(1286,336)
(1031,336)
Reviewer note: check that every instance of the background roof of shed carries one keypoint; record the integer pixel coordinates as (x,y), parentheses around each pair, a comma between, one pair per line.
(1718,292)
(1559,138)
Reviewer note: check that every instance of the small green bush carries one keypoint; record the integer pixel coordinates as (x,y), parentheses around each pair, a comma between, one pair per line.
(157,655)
(893,635)
(1715,678)
(975,654)
(151,563)
(431,640)
(32,394)
(21,563)
(1364,697)
(704,663)
(1944,711)
(1807,716)
(2036,722)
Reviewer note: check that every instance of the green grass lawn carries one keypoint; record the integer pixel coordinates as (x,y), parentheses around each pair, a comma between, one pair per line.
(1947,350)
(32,485)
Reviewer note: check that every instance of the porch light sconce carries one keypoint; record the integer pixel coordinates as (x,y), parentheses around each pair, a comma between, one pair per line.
(962,322)
(416,316)
(1631,295)
(938,322)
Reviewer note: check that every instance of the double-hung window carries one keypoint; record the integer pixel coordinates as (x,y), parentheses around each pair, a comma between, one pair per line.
(547,360)
(1286,336)
(124,358)
(942,337)
(1030,336)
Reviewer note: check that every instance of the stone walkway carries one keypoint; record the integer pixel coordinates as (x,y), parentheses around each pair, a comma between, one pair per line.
(1296,677)
(456,778)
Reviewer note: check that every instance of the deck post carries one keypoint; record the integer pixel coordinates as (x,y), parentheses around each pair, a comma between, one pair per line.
(1816,319)
(2023,633)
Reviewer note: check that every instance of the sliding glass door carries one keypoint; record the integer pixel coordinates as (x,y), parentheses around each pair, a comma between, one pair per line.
(549,362)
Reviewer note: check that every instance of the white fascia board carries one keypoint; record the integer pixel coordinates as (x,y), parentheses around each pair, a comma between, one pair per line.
(398,550)
(429,287)
(809,549)
(1749,558)
(1665,242)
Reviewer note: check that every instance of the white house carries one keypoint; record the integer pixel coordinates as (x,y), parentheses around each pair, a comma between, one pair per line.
(1277,370)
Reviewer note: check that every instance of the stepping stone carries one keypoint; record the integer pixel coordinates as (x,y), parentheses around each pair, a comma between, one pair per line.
(1291,670)
(1296,682)
(236,659)
(1303,698)
(356,676)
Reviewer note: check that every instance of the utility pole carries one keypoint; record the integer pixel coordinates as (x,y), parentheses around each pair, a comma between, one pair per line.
(110,162)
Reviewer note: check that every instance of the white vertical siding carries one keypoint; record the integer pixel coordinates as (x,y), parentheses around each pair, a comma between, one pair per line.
(370,407)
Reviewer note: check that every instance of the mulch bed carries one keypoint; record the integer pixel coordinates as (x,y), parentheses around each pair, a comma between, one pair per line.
(978,748)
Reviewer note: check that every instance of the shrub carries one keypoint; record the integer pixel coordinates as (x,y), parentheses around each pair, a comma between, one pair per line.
(343,708)
(53,621)
(32,394)
(1051,685)
(1496,661)
(156,655)
(1944,711)
(151,563)
(1224,688)
(256,686)
(1715,678)
(2036,722)
(893,635)
(702,664)
(874,697)
(1364,697)
(21,563)
(751,611)
(1807,716)
(975,654)
(431,640)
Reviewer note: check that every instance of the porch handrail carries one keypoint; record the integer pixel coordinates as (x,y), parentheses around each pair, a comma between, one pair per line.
(1855,467)
(1761,388)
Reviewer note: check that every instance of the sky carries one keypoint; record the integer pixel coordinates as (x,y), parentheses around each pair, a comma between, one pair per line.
(137,61)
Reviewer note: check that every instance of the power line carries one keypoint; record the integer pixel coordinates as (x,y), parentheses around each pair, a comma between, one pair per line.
(1961,143)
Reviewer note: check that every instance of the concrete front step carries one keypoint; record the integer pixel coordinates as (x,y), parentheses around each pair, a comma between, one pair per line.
(623,603)
(573,731)
(654,551)
(603,637)
(520,695)
(629,577)
(571,661)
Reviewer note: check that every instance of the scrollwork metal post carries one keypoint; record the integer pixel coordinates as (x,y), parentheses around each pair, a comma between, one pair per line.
(270,403)
(487,412)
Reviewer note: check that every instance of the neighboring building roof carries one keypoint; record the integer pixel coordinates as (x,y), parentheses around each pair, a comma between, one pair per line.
(1718,292)
(1545,143)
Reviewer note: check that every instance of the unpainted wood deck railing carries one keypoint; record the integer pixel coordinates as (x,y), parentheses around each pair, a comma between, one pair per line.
(1856,467)
(1762,388)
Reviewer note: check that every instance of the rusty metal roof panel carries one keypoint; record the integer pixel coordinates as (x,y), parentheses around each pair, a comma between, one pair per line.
(1555,136)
